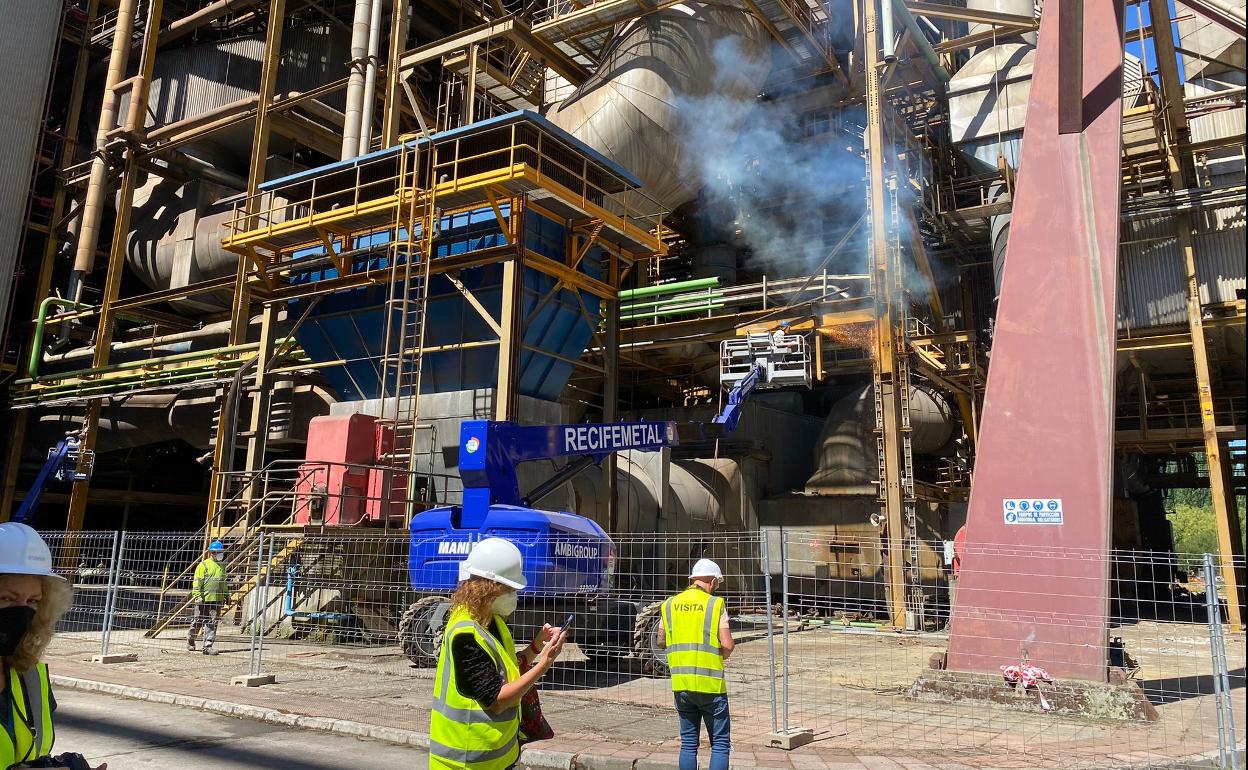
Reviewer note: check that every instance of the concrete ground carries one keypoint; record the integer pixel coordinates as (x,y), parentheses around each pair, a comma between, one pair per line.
(130,734)
(846,685)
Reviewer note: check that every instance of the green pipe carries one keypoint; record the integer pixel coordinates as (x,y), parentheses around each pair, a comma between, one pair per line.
(919,39)
(223,369)
(672,311)
(147,362)
(667,288)
(36,347)
(136,379)
(666,302)
(173,359)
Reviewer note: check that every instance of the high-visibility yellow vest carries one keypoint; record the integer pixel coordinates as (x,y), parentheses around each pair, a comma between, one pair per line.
(461,733)
(691,628)
(30,713)
(210,583)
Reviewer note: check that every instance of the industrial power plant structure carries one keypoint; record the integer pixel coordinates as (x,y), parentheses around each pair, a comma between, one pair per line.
(876,270)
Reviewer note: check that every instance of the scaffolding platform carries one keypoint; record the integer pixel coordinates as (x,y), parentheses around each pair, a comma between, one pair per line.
(517,154)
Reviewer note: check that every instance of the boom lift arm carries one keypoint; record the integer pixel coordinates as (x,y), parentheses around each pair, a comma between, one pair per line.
(490,451)
(62,464)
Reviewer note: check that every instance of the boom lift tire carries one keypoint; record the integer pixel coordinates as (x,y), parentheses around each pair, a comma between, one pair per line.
(647,640)
(419,640)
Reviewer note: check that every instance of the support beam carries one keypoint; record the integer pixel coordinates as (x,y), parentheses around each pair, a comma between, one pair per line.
(885,323)
(1051,437)
(104,338)
(240,311)
(392,119)
(1182,174)
(510,336)
(611,399)
(971,15)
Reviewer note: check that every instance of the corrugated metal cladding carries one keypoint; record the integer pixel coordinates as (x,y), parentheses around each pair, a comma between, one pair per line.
(26,48)
(192,81)
(1152,290)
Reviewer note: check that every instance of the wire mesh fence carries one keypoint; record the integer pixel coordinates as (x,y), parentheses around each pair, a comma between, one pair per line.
(358,613)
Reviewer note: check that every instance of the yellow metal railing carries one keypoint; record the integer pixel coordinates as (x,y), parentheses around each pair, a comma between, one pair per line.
(368,197)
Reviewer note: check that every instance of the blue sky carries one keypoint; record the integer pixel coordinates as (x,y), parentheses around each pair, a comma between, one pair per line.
(1137,16)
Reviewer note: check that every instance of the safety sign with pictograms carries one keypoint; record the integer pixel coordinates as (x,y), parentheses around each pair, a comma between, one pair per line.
(1032,510)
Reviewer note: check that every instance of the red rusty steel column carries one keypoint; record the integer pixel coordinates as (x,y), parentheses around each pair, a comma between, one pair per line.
(1036,584)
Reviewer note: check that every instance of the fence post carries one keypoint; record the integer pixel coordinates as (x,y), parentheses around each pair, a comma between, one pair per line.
(771,634)
(264,605)
(117,558)
(784,619)
(110,592)
(1221,677)
(788,738)
(253,677)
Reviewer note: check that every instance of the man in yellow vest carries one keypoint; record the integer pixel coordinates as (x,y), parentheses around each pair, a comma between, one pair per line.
(698,641)
(208,591)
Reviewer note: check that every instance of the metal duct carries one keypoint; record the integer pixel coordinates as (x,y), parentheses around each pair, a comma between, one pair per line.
(845,454)
(1016,7)
(177,235)
(185,416)
(630,109)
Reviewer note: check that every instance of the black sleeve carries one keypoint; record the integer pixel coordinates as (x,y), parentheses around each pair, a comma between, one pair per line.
(475,675)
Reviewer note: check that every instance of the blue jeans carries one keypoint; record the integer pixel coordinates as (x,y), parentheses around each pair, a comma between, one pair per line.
(694,709)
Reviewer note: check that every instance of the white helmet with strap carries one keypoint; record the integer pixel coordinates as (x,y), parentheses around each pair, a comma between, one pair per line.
(23,552)
(495,559)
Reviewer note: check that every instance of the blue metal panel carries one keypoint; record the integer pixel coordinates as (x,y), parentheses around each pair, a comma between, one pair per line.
(350,326)
(564,554)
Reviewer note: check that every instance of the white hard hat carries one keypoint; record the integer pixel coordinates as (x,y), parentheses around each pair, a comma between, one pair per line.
(23,552)
(495,559)
(706,568)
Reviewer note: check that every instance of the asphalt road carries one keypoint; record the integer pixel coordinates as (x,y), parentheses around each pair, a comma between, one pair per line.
(136,734)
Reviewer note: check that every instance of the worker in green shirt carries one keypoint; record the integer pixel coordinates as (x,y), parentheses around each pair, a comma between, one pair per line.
(208,592)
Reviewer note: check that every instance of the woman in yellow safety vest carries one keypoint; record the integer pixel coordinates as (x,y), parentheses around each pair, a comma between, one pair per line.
(475,722)
(32,600)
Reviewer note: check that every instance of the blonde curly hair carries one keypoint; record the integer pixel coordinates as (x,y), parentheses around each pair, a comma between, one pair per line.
(57,598)
(477,594)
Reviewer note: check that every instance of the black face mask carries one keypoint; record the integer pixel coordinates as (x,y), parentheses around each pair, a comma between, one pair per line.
(14,623)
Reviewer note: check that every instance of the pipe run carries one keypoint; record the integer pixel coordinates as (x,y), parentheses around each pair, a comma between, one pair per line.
(97,187)
(667,288)
(919,39)
(41,322)
(370,79)
(355,82)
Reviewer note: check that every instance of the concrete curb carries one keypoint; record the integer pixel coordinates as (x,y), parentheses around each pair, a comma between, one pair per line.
(536,758)
(246,711)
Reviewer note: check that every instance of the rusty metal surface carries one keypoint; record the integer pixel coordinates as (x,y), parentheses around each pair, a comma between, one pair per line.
(1046,432)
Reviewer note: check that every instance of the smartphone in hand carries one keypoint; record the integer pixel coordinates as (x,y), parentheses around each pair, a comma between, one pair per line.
(567,625)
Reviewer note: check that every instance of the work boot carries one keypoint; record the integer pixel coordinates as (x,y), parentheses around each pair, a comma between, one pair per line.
(190,646)
(209,651)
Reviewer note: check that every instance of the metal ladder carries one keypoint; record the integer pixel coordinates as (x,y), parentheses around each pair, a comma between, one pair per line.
(901,382)
(410,257)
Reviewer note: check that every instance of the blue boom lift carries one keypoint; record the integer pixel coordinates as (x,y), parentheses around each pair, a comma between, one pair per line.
(63,465)
(568,558)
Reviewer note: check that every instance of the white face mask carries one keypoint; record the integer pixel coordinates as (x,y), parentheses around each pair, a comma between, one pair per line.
(505,604)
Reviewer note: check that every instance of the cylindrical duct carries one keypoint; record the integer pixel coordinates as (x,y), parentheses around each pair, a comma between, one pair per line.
(845,455)
(355,81)
(630,110)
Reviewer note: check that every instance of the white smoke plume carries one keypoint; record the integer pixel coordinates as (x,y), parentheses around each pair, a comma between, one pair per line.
(787,200)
